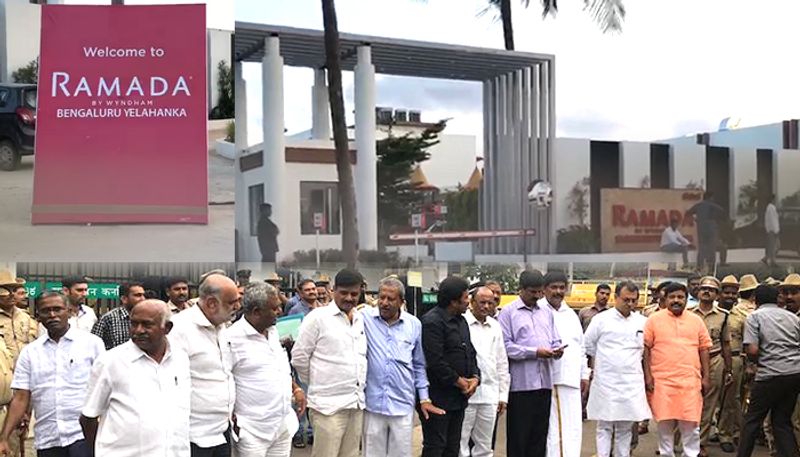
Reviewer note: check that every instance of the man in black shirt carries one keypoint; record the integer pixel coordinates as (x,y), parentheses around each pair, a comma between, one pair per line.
(451,365)
(707,214)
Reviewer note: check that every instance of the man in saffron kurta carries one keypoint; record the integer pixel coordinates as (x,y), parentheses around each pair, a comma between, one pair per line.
(676,371)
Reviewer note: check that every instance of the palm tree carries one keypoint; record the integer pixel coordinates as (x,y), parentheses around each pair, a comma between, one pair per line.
(608,14)
(344,168)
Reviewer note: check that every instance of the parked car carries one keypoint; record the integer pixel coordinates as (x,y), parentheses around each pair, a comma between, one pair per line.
(17,123)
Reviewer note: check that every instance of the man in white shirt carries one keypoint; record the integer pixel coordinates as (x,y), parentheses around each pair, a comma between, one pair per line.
(772,225)
(177,289)
(673,241)
(198,330)
(76,288)
(491,397)
(52,374)
(615,343)
(265,420)
(570,372)
(330,355)
(141,389)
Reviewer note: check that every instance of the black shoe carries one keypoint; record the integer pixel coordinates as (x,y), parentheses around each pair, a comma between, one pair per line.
(714,438)
(298,442)
(728,447)
(310,440)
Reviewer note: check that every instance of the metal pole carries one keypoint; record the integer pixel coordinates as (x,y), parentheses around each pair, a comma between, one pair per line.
(416,246)
(525,242)
(317,241)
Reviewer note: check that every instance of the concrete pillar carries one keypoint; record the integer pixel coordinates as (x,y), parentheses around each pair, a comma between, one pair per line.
(743,167)
(634,163)
(320,109)
(274,169)
(240,143)
(688,163)
(240,88)
(366,179)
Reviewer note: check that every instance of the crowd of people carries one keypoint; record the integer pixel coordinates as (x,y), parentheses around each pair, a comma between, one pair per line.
(213,377)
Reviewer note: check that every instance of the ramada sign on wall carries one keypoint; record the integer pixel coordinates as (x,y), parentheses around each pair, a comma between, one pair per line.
(121,134)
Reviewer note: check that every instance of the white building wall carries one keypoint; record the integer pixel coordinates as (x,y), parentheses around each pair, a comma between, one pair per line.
(634,164)
(452,161)
(573,164)
(218,49)
(743,172)
(293,240)
(787,169)
(19,35)
(688,164)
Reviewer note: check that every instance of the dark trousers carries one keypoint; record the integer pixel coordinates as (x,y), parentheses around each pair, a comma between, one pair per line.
(527,423)
(222,450)
(776,396)
(76,449)
(441,435)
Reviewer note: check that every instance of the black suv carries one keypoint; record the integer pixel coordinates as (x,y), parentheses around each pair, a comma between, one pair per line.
(17,123)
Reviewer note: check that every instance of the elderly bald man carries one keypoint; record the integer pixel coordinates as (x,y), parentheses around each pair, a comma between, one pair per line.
(199,331)
(141,390)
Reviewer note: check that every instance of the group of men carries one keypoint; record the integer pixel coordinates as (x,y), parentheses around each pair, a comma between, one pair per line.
(716,354)
(214,379)
(715,234)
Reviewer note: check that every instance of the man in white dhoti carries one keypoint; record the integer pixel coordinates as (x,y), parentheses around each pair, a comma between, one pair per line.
(491,398)
(617,400)
(570,372)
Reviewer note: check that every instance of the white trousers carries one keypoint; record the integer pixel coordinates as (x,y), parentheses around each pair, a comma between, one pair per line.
(621,432)
(479,425)
(566,422)
(690,437)
(387,436)
(250,445)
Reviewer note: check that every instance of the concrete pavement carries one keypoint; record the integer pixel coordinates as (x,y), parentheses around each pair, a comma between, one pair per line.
(21,241)
(647,443)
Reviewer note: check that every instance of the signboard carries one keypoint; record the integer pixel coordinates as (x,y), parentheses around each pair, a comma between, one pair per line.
(96,290)
(121,130)
(428,299)
(632,220)
(417,221)
(33,288)
(318,220)
(414,278)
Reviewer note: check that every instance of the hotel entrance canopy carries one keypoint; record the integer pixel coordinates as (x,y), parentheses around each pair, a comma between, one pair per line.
(518,114)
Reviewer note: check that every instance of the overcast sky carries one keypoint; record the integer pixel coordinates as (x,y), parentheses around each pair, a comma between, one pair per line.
(219,13)
(679,66)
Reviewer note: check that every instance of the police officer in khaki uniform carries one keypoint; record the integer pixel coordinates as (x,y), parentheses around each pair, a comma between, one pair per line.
(790,289)
(716,320)
(18,329)
(730,415)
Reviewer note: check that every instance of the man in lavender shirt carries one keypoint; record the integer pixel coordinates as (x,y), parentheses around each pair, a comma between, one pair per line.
(532,342)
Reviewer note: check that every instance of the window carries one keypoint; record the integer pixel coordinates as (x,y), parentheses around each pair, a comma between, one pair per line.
(323,198)
(255,197)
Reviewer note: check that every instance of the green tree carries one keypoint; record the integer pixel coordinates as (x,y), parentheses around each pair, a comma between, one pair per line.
(346,187)
(397,157)
(225,103)
(29,74)
(462,209)
(507,275)
(608,14)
